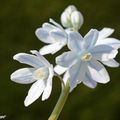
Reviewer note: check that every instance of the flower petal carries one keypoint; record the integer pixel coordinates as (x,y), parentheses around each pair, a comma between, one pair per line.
(103,52)
(75,41)
(47,90)
(66,77)
(76,74)
(115,43)
(42,58)
(43,35)
(59,69)
(88,81)
(31,60)
(111,63)
(98,72)
(66,59)
(35,91)
(59,35)
(91,38)
(56,24)
(23,76)
(52,48)
(105,32)
(48,26)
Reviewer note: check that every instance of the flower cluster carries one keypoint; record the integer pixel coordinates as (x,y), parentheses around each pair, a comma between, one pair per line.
(83,63)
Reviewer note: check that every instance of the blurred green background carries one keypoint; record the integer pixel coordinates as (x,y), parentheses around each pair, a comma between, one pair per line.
(18,22)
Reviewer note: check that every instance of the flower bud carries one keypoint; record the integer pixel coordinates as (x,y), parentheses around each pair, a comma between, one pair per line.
(66,20)
(70,9)
(71,18)
(76,20)
(66,16)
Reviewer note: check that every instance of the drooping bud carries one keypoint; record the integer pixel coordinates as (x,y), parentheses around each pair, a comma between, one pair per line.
(71,18)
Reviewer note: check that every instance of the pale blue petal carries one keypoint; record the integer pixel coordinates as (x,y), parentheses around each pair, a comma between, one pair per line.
(52,48)
(105,32)
(35,92)
(48,87)
(66,59)
(56,24)
(23,76)
(91,38)
(75,41)
(47,90)
(76,74)
(43,35)
(59,36)
(88,81)
(28,59)
(103,52)
(111,63)
(59,69)
(115,43)
(43,60)
(98,72)
(48,27)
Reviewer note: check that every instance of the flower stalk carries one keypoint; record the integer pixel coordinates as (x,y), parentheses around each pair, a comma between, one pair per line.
(61,101)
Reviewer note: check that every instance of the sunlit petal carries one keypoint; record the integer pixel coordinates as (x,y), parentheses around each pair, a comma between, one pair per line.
(88,81)
(75,41)
(59,69)
(98,72)
(31,60)
(105,32)
(66,59)
(52,48)
(111,63)
(103,52)
(91,38)
(35,92)
(23,76)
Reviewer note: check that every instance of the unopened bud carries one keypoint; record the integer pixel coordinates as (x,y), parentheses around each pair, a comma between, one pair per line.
(70,9)
(76,20)
(66,19)
(71,18)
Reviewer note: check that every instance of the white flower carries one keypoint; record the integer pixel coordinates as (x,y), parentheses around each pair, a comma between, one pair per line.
(83,62)
(72,18)
(40,74)
(52,34)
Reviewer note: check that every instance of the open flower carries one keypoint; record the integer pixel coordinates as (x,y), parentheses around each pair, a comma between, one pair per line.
(52,34)
(83,62)
(40,75)
(103,39)
(71,18)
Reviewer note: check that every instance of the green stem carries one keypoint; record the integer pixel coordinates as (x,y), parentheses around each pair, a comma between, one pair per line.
(62,99)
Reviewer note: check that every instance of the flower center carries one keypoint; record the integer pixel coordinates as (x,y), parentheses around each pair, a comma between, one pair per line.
(41,73)
(86,57)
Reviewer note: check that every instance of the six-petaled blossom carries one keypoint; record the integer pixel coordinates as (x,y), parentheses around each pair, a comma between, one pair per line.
(40,74)
(84,61)
(52,34)
(103,38)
